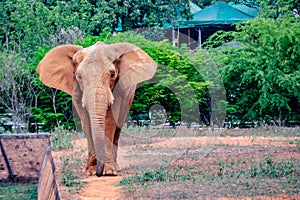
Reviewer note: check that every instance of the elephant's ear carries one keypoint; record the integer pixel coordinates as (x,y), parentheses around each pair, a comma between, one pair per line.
(57,69)
(135,66)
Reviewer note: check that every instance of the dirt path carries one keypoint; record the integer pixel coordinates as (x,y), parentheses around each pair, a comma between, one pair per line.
(106,187)
(95,188)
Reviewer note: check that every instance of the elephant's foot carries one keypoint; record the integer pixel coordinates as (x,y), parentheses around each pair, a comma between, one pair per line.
(111,171)
(89,171)
(94,167)
(102,170)
(91,164)
(117,168)
(99,168)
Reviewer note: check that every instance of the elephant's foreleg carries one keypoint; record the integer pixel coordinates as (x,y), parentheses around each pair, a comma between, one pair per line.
(88,132)
(91,161)
(111,167)
(86,127)
(116,145)
(85,124)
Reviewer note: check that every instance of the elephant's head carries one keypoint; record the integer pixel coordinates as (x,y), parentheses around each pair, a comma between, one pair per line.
(98,76)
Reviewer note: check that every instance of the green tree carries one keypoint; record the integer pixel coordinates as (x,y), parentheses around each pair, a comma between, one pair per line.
(133,14)
(15,89)
(29,24)
(262,75)
(28,29)
(276,8)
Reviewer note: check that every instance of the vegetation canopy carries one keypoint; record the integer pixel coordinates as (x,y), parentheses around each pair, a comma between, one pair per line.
(258,63)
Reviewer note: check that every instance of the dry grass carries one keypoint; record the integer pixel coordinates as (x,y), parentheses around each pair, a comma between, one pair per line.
(188,164)
(162,166)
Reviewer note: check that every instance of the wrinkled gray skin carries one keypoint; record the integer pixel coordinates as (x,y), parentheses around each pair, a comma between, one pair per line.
(102,80)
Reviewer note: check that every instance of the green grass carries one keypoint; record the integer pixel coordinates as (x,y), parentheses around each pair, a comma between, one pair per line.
(18,191)
(158,175)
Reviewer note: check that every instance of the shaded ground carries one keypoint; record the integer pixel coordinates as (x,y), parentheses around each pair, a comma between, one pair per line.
(194,166)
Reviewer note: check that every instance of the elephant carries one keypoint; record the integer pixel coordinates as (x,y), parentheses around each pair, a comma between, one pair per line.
(101,79)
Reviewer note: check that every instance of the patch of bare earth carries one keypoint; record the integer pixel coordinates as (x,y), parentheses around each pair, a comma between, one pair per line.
(93,187)
(200,155)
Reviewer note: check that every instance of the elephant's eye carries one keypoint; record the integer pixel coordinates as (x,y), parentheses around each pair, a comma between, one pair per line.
(79,77)
(112,74)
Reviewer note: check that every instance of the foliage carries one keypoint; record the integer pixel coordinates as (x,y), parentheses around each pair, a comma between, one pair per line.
(203,3)
(136,14)
(18,191)
(279,8)
(70,174)
(262,75)
(51,107)
(179,75)
(28,24)
(175,79)
(62,139)
(267,168)
(153,33)
(15,87)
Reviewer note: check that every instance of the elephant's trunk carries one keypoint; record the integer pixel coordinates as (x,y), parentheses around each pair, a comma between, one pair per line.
(97,113)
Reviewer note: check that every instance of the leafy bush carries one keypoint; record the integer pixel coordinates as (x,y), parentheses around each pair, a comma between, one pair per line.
(261,75)
(70,173)
(62,139)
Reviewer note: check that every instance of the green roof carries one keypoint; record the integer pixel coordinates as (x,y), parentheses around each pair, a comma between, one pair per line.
(218,13)
(252,11)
